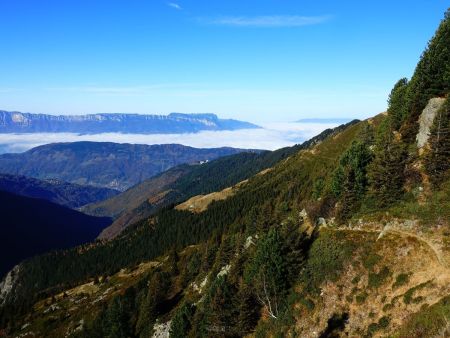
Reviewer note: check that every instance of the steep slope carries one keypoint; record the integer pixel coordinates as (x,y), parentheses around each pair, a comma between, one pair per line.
(16,122)
(135,196)
(104,164)
(183,182)
(151,238)
(32,226)
(59,192)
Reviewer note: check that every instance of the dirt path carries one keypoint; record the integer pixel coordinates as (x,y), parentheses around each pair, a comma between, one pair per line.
(437,252)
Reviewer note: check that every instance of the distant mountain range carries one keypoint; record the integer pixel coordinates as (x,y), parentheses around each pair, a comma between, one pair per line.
(31,226)
(17,122)
(56,191)
(104,164)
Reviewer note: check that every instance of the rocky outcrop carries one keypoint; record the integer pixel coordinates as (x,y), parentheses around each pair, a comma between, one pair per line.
(426,120)
(7,284)
(161,330)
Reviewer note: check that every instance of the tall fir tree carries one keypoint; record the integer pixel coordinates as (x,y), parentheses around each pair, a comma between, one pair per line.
(220,309)
(437,161)
(268,273)
(350,179)
(397,104)
(181,321)
(431,78)
(387,170)
(248,309)
(148,311)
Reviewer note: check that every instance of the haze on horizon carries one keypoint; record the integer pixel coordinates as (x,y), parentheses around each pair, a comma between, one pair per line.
(259,61)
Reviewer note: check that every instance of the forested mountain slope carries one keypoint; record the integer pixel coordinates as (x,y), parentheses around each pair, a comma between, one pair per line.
(59,192)
(185,181)
(104,164)
(348,237)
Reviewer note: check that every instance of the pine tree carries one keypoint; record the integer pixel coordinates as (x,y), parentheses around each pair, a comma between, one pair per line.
(220,310)
(267,272)
(349,198)
(181,321)
(350,179)
(117,319)
(397,108)
(248,308)
(172,261)
(431,77)
(148,310)
(437,162)
(386,172)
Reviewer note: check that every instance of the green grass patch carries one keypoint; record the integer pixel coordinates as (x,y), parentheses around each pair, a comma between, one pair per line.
(328,255)
(428,322)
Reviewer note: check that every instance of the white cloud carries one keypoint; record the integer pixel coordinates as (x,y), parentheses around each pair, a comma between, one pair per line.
(267,21)
(272,136)
(174,5)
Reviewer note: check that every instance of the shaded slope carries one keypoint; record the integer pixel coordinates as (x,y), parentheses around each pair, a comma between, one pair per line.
(32,226)
(59,192)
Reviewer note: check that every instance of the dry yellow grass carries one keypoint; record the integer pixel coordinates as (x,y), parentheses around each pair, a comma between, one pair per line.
(200,203)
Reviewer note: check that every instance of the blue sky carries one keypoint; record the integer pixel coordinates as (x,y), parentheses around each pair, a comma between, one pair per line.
(264,60)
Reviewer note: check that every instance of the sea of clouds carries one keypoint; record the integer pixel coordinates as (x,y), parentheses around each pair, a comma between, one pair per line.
(272,136)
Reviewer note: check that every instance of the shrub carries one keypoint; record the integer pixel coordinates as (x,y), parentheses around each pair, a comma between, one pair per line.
(400,280)
(377,279)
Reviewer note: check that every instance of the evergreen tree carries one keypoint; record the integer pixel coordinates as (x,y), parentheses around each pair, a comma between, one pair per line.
(220,310)
(267,272)
(181,321)
(437,162)
(148,311)
(117,320)
(248,308)
(349,197)
(172,262)
(431,77)
(397,109)
(387,170)
(295,246)
(350,179)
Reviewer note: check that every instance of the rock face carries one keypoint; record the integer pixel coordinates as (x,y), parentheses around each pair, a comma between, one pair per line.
(426,120)
(162,330)
(17,122)
(7,284)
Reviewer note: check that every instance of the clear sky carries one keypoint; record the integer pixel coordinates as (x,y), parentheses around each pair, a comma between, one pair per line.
(256,60)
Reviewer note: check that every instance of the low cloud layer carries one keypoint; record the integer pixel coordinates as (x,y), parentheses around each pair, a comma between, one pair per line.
(271,137)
